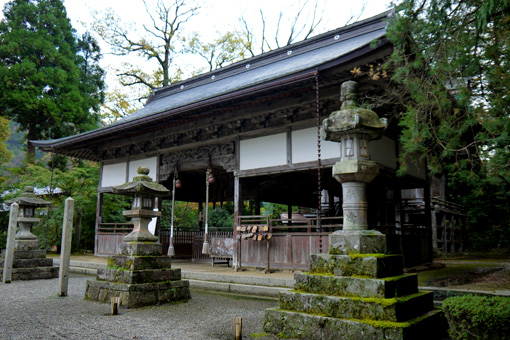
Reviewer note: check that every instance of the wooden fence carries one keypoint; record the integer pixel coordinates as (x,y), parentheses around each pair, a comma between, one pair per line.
(109,236)
(289,244)
(188,243)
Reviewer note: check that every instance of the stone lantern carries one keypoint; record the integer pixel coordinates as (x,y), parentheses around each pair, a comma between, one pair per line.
(139,275)
(27,202)
(30,262)
(144,192)
(355,290)
(353,127)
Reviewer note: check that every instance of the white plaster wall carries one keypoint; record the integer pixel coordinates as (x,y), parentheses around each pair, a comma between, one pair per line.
(382,151)
(304,146)
(113,174)
(151,163)
(263,152)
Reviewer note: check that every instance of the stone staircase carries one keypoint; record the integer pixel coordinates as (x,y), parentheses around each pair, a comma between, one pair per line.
(356,296)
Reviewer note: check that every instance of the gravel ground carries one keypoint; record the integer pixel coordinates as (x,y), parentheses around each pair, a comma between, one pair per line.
(33,310)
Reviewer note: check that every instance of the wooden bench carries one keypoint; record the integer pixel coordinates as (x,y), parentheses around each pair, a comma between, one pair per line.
(221,250)
(221,259)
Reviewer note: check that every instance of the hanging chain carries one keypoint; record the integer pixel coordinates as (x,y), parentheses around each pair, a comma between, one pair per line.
(319,185)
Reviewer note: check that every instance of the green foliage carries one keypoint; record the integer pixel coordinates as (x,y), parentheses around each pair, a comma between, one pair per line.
(186,215)
(5,132)
(221,218)
(451,65)
(69,178)
(224,50)
(49,84)
(478,317)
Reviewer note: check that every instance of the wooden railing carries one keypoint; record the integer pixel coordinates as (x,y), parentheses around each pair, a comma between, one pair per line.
(448,226)
(188,242)
(115,228)
(290,243)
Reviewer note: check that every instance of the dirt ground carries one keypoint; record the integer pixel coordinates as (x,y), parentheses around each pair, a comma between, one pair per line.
(473,271)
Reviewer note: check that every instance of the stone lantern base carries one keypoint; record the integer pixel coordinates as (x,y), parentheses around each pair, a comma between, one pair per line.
(30,264)
(353,293)
(140,276)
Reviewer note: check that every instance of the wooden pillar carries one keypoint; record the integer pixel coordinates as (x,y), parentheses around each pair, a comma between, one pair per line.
(429,247)
(200,215)
(157,230)
(257,206)
(397,198)
(331,203)
(237,205)
(433,224)
(99,218)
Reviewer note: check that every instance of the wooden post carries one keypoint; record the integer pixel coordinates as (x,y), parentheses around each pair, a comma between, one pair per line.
(65,253)
(99,219)
(268,269)
(238,328)
(237,244)
(433,223)
(9,251)
(115,303)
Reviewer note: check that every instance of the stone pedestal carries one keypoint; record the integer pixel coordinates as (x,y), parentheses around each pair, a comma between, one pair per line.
(31,264)
(353,293)
(140,276)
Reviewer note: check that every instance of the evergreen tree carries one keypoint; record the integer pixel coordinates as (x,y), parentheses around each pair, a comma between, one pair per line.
(451,59)
(49,85)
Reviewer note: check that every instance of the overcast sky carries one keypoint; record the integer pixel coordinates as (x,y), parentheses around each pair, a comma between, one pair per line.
(219,15)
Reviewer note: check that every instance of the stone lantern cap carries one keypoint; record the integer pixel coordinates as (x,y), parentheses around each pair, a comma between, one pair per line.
(29,198)
(351,118)
(142,185)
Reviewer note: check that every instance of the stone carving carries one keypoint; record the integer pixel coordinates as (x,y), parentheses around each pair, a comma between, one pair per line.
(220,154)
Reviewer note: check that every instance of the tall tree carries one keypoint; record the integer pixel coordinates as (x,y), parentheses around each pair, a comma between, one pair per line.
(5,132)
(158,41)
(224,50)
(46,85)
(452,58)
(291,25)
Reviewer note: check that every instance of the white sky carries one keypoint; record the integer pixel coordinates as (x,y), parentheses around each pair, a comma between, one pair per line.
(216,15)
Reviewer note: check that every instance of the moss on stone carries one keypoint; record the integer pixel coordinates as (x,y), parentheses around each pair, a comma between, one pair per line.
(394,278)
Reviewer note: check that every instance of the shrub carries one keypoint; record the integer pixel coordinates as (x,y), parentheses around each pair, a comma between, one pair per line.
(478,317)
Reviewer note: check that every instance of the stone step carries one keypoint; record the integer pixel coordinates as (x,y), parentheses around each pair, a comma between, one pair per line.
(236,288)
(35,273)
(266,280)
(368,265)
(395,286)
(139,262)
(27,254)
(395,310)
(429,326)
(138,295)
(138,276)
(30,263)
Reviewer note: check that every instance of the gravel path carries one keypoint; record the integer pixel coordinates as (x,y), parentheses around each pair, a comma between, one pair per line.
(33,310)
